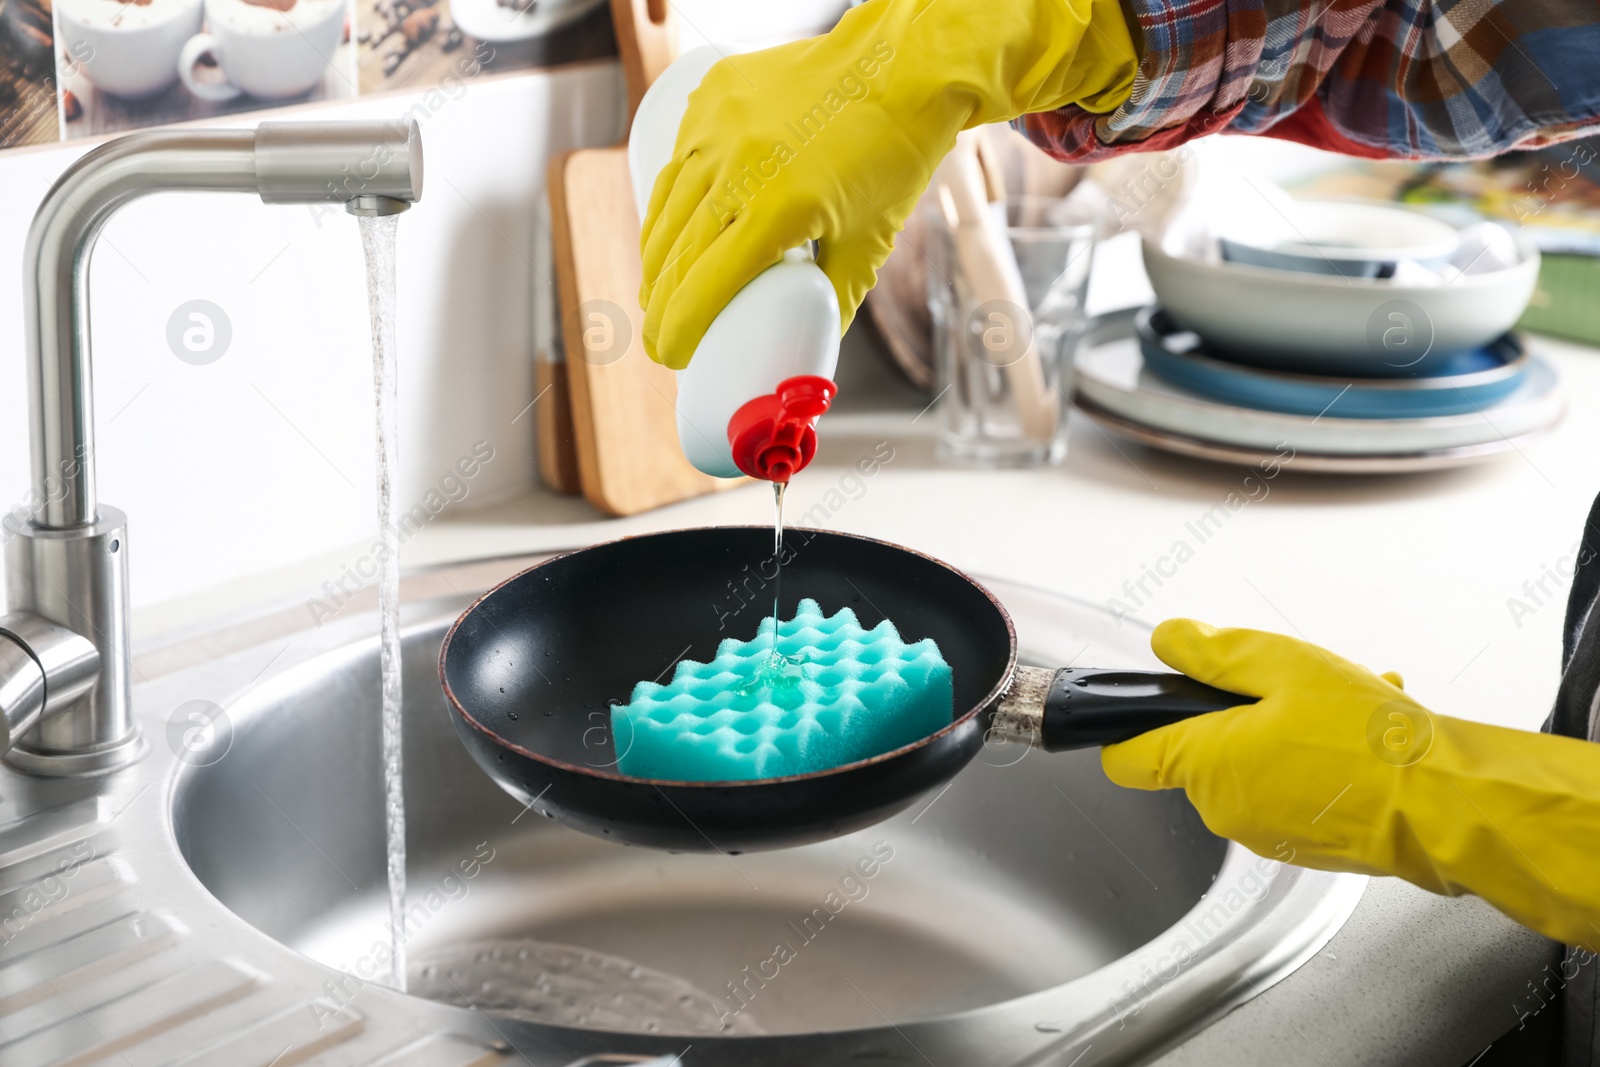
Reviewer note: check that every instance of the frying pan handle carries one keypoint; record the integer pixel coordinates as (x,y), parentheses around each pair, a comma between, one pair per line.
(1081,707)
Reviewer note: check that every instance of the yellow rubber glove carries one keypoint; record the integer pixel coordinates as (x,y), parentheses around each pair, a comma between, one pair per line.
(833,139)
(1337,768)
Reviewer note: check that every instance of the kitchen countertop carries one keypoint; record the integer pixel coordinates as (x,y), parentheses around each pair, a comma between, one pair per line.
(1456,578)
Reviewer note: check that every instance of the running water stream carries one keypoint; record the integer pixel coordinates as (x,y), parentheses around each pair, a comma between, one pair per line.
(377,238)
(556,984)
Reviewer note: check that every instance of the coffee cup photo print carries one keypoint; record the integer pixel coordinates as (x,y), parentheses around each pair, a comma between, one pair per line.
(125,65)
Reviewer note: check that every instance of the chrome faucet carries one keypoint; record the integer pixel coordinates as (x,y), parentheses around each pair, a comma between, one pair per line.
(65,690)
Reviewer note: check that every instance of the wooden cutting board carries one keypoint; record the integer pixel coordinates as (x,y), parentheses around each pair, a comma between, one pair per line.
(620,403)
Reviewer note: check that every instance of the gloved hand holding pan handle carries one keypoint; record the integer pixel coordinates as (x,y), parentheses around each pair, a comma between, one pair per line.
(1338,768)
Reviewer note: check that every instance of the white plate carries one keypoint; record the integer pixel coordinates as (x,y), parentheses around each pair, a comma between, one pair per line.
(1400,463)
(1112,376)
(488,21)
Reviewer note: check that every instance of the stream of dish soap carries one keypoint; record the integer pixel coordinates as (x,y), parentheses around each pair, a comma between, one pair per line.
(777,559)
(777,671)
(377,238)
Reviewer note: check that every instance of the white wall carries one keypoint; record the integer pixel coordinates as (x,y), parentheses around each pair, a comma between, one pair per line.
(266,456)
(264,459)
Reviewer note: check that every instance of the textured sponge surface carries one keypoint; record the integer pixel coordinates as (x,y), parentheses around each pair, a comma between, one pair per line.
(834,693)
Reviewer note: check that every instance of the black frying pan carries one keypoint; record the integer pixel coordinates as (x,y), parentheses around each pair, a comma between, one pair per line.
(531,669)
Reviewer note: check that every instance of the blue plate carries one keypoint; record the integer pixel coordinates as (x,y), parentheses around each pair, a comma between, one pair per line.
(1451,385)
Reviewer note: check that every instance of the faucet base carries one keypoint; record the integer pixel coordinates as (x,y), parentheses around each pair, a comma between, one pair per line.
(119,754)
(77,579)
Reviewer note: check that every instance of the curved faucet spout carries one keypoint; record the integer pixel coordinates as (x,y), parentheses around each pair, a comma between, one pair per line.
(282,162)
(66,558)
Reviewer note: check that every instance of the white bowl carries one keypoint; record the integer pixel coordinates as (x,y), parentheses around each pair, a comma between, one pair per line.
(1350,240)
(1333,325)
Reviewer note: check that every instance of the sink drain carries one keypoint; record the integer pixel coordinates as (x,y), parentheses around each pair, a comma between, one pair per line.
(563,985)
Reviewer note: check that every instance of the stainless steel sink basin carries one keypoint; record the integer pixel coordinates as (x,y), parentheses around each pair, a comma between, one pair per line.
(1032,913)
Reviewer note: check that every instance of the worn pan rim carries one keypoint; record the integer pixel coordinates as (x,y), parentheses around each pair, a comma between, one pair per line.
(995,691)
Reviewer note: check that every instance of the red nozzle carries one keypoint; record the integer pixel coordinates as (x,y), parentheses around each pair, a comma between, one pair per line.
(775,436)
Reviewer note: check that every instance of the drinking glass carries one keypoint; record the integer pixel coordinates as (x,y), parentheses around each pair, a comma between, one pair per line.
(1004,372)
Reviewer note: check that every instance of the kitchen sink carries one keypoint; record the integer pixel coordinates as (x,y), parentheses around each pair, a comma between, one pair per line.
(225,902)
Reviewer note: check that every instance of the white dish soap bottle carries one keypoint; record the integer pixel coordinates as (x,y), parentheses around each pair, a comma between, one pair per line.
(750,398)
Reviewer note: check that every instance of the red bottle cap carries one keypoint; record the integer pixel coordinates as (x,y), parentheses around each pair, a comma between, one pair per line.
(775,435)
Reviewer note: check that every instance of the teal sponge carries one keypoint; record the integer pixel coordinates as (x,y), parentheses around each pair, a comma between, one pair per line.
(830,694)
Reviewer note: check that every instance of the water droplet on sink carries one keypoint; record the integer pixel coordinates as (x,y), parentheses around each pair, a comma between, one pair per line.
(1046,1028)
(512,715)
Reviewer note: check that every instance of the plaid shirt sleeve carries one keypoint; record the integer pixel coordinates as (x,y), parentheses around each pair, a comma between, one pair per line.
(1396,79)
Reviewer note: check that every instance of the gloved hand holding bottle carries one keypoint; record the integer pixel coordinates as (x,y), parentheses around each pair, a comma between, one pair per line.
(834,139)
(1343,767)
